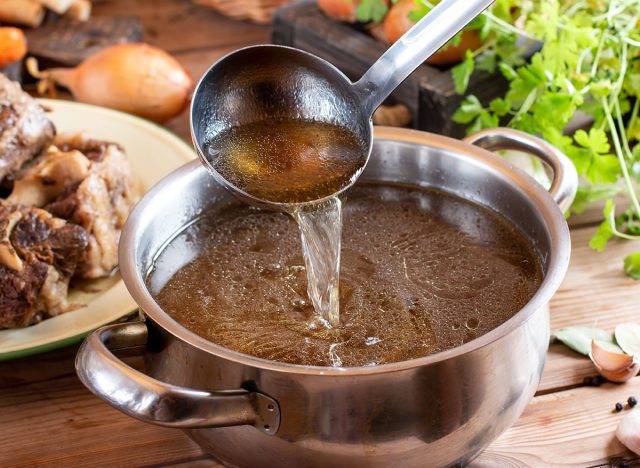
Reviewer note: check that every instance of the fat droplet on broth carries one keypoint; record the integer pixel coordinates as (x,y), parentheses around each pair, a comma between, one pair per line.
(377,301)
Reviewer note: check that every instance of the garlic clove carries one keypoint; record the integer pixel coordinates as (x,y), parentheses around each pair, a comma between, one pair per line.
(608,359)
(621,375)
(628,431)
(613,366)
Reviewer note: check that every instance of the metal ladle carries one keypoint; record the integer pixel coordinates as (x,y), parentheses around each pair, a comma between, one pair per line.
(269,82)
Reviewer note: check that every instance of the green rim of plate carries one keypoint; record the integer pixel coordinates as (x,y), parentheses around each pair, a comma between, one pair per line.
(61,343)
(20,353)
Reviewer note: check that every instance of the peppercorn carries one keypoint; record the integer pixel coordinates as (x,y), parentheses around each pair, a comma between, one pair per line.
(632,401)
(619,407)
(598,380)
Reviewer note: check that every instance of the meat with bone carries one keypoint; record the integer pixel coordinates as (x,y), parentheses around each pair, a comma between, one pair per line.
(86,182)
(38,255)
(24,128)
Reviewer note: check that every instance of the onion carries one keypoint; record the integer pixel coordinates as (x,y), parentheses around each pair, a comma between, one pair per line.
(135,78)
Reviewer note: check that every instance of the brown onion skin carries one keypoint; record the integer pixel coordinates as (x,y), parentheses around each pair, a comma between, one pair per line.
(135,78)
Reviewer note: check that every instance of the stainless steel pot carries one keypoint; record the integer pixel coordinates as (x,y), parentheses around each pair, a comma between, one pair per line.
(438,410)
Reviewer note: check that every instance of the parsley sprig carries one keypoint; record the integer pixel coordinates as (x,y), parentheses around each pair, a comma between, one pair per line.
(589,63)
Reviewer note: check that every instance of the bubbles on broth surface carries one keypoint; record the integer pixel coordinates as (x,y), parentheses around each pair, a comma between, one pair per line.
(421,272)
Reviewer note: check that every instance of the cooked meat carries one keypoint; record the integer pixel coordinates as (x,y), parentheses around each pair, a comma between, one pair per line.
(24,128)
(86,182)
(38,256)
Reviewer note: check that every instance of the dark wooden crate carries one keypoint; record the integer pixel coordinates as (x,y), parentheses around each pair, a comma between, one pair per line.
(428,93)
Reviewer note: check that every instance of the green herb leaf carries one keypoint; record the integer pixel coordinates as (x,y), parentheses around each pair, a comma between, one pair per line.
(610,346)
(604,232)
(487,62)
(604,169)
(470,109)
(628,338)
(507,71)
(588,194)
(632,265)
(579,338)
(596,140)
(462,72)
(500,107)
(371,10)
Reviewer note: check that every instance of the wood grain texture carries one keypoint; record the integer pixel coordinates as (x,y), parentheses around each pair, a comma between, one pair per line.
(595,292)
(574,428)
(180,26)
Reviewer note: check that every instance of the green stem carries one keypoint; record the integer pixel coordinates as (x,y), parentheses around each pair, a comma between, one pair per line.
(614,228)
(623,164)
(526,105)
(596,59)
(634,114)
(487,45)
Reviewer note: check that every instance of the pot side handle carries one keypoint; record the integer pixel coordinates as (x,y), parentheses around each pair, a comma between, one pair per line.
(152,401)
(565,177)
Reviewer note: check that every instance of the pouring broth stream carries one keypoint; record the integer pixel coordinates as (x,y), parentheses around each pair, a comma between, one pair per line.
(293,163)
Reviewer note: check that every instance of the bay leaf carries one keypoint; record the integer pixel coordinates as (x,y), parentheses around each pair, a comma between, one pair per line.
(579,338)
(628,338)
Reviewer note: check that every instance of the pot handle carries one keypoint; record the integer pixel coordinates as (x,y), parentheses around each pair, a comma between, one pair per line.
(152,401)
(565,178)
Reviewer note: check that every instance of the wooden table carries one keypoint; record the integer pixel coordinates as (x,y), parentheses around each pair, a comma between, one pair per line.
(48,418)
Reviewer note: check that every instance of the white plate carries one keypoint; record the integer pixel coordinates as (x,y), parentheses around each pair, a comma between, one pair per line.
(153,152)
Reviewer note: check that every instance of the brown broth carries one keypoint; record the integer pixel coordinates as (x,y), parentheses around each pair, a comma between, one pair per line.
(421,272)
(287,161)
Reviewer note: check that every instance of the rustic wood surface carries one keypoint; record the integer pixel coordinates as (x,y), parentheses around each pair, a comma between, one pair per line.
(47,418)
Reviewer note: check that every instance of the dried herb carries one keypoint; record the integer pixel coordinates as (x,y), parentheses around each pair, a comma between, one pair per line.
(579,338)
(628,338)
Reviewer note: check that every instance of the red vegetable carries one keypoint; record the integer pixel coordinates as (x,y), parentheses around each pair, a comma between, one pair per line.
(341,10)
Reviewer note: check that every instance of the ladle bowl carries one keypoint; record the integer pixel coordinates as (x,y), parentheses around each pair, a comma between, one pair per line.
(278,83)
(273,83)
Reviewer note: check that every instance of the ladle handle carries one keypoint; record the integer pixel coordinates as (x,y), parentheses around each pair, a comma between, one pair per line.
(414,47)
(156,402)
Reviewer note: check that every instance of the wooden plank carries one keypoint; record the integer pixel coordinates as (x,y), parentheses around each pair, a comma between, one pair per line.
(595,292)
(57,422)
(574,428)
(65,42)
(64,421)
(181,25)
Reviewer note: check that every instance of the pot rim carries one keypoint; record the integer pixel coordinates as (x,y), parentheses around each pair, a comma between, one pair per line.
(557,264)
